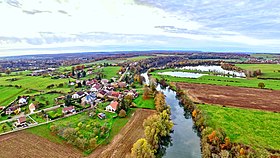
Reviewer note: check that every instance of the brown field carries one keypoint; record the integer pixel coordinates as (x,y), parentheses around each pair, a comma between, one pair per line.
(234,96)
(26,145)
(122,143)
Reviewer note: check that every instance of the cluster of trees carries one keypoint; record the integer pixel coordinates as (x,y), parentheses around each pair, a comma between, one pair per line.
(76,135)
(78,71)
(227,66)
(253,73)
(156,128)
(124,105)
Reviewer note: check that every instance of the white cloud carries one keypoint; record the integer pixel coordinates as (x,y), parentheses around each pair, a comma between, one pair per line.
(62,23)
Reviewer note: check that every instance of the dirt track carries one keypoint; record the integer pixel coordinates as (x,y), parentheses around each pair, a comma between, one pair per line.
(234,96)
(25,145)
(123,142)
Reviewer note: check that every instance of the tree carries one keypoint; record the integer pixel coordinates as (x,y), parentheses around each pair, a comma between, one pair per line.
(67,100)
(122,113)
(157,126)
(160,102)
(261,85)
(8,71)
(146,93)
(142,149)
(69,134)
(73,71)
(92,143)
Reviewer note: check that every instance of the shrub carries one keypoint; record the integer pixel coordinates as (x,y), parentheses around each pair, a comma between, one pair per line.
(122,113)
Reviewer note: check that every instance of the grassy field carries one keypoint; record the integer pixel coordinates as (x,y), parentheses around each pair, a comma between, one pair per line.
(223,81)
(38,83)
(265,56)
(258,129)
(109,71)
(8,94)
(82,122)
(117,125)
(139,58)
(147,103)
(44,98)
(268,70)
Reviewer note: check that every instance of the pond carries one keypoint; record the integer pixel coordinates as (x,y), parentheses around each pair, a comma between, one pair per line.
(182,74)
(213,68)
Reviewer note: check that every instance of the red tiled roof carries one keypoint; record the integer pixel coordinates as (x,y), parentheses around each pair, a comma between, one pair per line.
(22,119)
(115,94)
(114,105)
(68,108)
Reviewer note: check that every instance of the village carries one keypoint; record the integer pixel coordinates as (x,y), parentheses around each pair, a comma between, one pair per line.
(89,94)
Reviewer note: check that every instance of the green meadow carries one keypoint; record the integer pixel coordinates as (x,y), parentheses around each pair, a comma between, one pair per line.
(259,129)
(268,70)
(219,80)
(8,94)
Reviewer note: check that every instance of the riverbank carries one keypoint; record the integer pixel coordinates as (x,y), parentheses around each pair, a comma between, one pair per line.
(218,140)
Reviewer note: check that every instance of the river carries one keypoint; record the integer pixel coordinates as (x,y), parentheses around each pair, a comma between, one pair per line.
(185,142)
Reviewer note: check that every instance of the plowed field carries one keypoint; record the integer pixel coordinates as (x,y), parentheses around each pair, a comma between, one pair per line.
(234,96)
(23,144)
(123,142)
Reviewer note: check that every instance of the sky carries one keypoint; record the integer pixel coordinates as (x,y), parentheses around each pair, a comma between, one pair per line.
(57,26)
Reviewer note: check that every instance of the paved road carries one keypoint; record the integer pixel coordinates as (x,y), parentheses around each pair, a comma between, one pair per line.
(120,79)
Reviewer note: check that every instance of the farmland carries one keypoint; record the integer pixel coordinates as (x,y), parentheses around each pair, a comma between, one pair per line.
(9,94)
(268,70)
(30,145)
(234,96)
(33,82)
(123,141)
(219,80)
(256,128)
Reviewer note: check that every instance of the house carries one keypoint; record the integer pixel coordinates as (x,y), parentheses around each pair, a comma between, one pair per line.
(21,121)
(88,99)
(32,108)
(70,109)
(109,87)
(112,107)
(75,96)
(114,95)
(104,81)
(101,116)
(122,85)
(22,101)
(101,94)
(133,93)
(114,84)
(60,98)
(13,109)
(81,93)
(96,87)
(71,83)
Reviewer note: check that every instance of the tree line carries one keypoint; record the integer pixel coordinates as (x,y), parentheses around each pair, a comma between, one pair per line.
(156,128)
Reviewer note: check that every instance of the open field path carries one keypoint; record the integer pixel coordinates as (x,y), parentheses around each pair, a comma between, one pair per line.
(122,143)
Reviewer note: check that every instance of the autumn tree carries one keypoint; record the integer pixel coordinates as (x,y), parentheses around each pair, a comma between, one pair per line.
(8,71)
(146,92)
(160,102)
(142,149)
(92,143)
(261,85)
(122,113)
(157,126)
